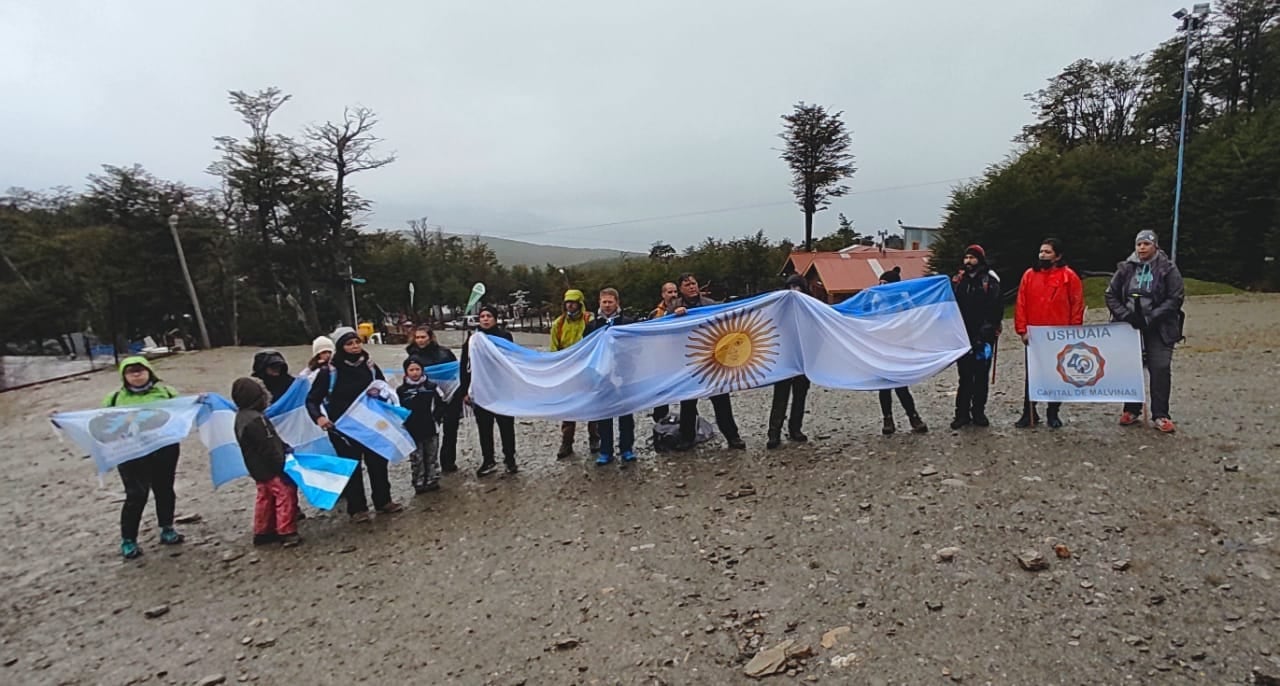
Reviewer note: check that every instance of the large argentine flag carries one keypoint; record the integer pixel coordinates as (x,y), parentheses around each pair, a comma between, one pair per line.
(376,424)
(113,435)
(320,478)
(887,336)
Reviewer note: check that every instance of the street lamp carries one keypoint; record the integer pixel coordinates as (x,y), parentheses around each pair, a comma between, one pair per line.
(1191,22)
(191,287)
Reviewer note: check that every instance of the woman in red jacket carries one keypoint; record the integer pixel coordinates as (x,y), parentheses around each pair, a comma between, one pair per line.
(1050,295)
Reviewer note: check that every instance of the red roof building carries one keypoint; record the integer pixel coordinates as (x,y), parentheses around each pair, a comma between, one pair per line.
(851,270)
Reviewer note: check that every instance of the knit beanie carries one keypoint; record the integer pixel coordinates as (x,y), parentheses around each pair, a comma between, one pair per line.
(322,344)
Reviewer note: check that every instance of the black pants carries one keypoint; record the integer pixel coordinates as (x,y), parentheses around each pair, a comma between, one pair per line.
(1158,358)
(724,418)
(660,412)
(971,397)
(153,473)
(449,433)
(379,484)
(506,428)
(1027,405)
(904,397)
(797,388)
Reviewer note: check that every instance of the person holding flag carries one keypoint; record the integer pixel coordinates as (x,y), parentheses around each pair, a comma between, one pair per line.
(566,330)
(334,390)
(275,509)
(691,297)
(485,419)
(796,389)
(611,315)
(1050,294)
(903,392)
(977,291)
(430,353)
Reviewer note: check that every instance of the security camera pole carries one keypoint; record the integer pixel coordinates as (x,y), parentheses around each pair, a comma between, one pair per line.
(191,287)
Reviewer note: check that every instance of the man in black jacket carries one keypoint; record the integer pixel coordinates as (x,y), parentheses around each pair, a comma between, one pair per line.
(977,291)
(270,367)
(485,419)
(430,352)
(691,297)
(1147,292)
(334,389)
(610,314)
(796,389)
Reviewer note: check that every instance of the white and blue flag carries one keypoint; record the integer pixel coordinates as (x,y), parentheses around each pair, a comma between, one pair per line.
(319,478)
(217,427)
(114,435)
(376,424)
(445,377)
(888,336)
(288,414)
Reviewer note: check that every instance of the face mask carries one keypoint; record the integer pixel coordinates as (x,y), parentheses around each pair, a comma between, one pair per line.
(1045,264)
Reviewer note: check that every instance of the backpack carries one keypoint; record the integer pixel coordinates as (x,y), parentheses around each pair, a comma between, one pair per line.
(666,432)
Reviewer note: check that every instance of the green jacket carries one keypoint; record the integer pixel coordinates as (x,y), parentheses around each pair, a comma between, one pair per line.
(123,396)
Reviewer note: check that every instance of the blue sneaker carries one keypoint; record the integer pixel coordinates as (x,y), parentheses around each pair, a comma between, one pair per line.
(628,456)
(129,549)
(604,459)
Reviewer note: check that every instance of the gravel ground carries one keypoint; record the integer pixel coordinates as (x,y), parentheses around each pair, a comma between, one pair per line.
(679,569)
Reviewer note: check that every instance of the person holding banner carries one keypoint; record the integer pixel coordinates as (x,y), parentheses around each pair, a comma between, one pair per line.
(1146,291)
(485,419)
(1050,294)
(691,297)
(334,389)
(566,330)
(152,473)
(428,350)
(667,302)
(611,315)
(275,509)
(977,291)
(795,389)
(903,392)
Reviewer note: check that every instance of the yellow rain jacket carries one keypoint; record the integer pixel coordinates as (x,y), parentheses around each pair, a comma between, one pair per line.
(566,330)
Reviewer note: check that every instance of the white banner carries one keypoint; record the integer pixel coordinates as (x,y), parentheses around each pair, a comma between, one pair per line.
(1097,363)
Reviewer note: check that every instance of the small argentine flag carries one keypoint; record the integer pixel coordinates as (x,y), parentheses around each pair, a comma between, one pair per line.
(445,377)
(288,414)
(216,424)
(320,478)
(374,423)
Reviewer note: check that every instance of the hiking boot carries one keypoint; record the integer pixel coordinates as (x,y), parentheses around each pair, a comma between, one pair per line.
(1166,425)
(737,444)
(265,539)
(129,549)
(391,508)
(961,420)
(361,518)
(917,424)
(487,468)
(798,437)
(566,449)
(1128,418)
(169,536)
(628,456)
(603,459)
(980,418)
(1053,421)
(290,540)
(419,489)
(1029,417)
(510,464)
(775,440)
(888,427)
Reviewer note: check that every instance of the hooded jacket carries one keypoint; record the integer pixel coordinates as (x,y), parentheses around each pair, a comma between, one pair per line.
(978,296)
(567,330)
(352,375)
(1048,297)
(261,445)
(423,402)
(1157,283)
(152,392)
(276,385)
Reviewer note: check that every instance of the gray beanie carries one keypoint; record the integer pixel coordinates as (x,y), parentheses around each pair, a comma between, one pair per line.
(1146,235)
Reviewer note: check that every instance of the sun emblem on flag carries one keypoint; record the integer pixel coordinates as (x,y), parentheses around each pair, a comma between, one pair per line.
(733,351)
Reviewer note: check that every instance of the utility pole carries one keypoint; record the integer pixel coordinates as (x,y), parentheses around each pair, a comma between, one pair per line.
(1191,22)
(191,287)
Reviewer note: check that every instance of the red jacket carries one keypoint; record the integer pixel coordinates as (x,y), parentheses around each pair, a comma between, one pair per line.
(1049,297)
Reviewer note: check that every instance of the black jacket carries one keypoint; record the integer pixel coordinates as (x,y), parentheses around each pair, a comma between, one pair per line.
(464,366)
(599,322)
(431,355)
(354,376)
(1157,285)
(277,385)
(978,296)
(423,402)
(261,445)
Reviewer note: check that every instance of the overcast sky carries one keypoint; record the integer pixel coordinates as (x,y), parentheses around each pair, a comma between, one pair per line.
(528,119)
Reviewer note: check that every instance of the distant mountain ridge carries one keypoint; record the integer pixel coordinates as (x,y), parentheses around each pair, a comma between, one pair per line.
(511,253)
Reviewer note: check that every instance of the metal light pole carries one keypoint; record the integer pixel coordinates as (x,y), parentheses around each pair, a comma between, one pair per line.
(1191,21)
(191,287)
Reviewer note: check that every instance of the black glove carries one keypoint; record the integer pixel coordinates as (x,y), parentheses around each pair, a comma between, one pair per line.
(1136,320)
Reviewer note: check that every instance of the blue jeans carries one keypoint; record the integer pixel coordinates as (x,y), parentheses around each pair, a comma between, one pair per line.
(626,431)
